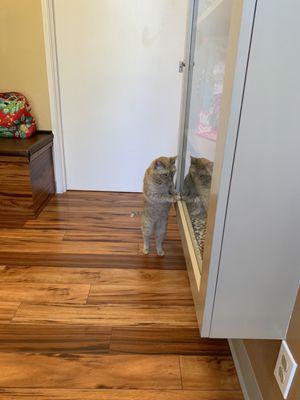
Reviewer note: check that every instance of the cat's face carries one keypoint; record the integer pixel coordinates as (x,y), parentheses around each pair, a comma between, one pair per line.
(201,169)
(163,169)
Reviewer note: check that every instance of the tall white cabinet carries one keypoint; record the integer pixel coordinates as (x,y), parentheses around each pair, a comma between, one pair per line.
(240,110)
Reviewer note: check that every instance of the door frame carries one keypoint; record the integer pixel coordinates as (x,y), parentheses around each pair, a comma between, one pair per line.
(54,94)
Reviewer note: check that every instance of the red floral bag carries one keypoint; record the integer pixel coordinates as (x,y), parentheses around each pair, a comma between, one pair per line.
(16,120)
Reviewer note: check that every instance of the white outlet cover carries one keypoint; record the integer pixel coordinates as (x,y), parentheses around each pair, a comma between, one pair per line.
(285,369)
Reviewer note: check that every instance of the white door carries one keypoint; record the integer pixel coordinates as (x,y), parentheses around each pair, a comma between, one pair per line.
(120,87)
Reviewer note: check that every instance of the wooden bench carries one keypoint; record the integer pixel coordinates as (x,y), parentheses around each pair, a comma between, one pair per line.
(26,175)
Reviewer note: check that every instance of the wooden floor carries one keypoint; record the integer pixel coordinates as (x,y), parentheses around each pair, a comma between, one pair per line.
(85,315)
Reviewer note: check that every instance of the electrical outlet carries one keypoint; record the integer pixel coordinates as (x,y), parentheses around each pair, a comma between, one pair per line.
(285,369)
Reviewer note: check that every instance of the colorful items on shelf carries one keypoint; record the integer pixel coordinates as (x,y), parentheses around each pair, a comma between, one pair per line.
(211,104)
(16,120)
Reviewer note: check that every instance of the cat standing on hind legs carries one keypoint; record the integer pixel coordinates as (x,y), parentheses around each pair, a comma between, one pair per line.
(159,193)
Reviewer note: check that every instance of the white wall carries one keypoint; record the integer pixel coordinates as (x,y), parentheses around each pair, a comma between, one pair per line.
(120,87)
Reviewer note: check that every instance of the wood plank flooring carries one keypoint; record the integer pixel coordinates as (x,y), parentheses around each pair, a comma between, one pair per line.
(85,315)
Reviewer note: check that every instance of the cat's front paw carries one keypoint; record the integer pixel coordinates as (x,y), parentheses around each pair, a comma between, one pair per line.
(176,197)
(160,252)
(146,250)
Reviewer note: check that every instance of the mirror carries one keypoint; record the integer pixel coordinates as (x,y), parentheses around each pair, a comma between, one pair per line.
(211,43)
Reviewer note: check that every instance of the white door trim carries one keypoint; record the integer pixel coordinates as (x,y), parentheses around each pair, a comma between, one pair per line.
(54,94)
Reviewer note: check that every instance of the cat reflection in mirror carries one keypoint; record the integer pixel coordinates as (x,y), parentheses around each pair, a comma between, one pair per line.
(159,193)
(196,187)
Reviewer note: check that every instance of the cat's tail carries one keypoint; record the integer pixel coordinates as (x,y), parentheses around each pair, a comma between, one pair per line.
(136,213)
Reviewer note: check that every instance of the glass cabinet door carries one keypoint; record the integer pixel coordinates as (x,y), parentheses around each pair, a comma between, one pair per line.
(210,45)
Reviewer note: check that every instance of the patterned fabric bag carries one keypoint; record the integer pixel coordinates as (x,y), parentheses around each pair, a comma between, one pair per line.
(16,120)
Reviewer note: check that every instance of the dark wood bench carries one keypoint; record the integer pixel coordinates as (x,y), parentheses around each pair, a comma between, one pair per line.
(26,175)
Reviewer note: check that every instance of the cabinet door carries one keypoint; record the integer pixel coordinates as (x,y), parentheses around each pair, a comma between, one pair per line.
(220,45)
(259,270)
(211,42)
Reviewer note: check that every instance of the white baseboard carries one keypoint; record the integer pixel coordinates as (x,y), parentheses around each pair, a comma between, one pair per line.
(244,370)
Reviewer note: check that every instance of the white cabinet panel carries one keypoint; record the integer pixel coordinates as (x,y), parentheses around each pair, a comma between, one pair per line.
(259,265)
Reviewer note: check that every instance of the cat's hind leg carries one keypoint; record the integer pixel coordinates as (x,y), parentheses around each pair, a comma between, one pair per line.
(147,229)
(160,234)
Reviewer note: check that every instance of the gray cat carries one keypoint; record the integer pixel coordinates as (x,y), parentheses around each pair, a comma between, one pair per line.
(159,194)
(196,187)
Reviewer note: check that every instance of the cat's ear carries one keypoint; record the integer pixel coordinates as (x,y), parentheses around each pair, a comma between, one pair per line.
(194,160)
(158,164)
(209,167)
(172,160)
